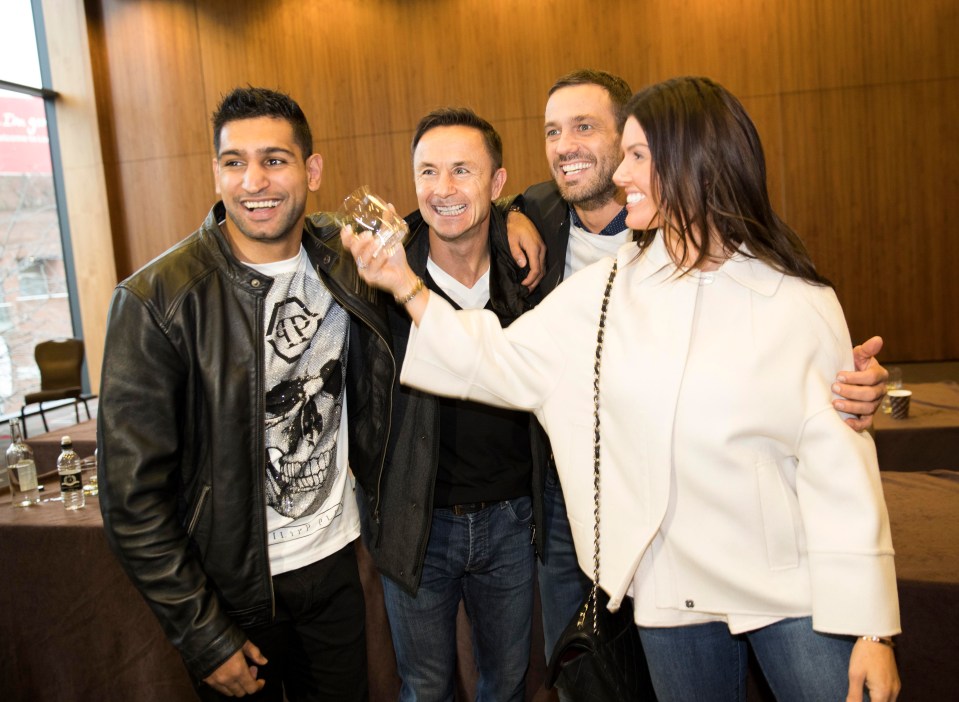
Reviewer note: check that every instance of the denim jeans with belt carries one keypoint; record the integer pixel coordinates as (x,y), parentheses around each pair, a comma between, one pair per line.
(706,662)
(484,558)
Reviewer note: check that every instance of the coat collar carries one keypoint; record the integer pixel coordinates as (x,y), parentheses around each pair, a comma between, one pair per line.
(742,267)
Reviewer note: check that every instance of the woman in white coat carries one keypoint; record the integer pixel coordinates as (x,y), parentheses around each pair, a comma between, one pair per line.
(733,518)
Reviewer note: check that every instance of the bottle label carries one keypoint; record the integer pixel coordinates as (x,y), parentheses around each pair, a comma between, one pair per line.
(27,475)
(70,481)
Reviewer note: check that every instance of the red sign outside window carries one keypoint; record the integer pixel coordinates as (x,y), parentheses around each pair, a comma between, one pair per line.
(24,143)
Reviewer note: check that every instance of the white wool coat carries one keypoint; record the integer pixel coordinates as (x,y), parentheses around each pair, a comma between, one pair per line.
(725,470)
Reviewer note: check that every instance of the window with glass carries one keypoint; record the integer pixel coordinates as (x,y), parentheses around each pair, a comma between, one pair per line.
(34,286)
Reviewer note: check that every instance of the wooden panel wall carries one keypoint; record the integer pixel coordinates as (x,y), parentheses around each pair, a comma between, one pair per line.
(855,99)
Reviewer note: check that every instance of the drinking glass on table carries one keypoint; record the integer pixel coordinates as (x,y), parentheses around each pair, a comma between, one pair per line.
(894,382)
(88,469)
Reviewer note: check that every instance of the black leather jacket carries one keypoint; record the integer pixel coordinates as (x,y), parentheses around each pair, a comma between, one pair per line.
(543,204)
(181,431)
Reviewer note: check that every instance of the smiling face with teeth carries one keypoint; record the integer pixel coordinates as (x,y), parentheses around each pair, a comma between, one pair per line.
(263,178)
(635,176)
(582,144)
(456,179)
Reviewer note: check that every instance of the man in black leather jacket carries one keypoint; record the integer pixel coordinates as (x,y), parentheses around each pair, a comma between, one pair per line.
(224,487)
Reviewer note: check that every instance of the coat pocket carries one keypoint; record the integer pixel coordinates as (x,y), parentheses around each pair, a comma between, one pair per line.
(780,515)
(197,511)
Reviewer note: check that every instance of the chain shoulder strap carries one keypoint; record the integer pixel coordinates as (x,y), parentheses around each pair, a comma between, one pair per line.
(596,365)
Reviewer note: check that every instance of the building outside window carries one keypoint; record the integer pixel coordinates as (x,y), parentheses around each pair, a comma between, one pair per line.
(35,300)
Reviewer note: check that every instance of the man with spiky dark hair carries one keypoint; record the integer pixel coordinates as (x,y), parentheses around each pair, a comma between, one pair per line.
(223,425)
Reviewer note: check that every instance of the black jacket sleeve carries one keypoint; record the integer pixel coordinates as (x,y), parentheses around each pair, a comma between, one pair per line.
(140,426)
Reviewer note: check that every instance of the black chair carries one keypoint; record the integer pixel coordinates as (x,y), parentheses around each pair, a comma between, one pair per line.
(61,363)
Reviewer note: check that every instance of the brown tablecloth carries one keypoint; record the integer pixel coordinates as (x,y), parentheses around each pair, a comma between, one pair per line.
(74,628)
(924,513)
(928,439)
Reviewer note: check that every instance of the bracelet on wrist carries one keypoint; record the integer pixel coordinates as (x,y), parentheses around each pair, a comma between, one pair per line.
(414,291)
(884,640)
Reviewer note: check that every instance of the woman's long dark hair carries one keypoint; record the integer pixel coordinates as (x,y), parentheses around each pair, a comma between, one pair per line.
(710,174)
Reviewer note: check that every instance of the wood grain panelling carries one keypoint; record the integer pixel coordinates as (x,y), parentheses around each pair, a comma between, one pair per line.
(384,160)
(376,67)
(156,80)
(524,153)
(733,41)
(167,199)
(149,86)
(830,43)
(872,190)
(366,70)
(766,114)
(356,80)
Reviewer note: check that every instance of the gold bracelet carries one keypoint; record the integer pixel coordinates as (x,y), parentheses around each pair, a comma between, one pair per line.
(884,640)
(414,291)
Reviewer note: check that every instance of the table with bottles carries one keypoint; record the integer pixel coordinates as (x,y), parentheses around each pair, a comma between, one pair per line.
(46,447)
(73,626)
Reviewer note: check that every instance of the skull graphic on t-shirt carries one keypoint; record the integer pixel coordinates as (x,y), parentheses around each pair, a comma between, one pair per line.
(306,375)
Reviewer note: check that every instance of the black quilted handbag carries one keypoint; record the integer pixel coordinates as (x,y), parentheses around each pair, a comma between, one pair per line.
(599,657)
(605,664)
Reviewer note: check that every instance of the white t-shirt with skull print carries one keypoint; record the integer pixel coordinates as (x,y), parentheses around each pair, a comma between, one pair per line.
(311,507)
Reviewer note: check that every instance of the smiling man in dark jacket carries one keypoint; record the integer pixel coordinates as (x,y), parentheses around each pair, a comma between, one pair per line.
(231,363)
(462,480)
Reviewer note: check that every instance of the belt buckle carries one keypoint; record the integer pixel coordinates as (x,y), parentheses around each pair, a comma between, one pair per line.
(468,508)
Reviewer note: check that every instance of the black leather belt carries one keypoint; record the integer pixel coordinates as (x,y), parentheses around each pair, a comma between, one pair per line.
(469,507)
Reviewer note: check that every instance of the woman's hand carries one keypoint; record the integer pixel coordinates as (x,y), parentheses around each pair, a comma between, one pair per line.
(385,269)
(873,664)
(381,268)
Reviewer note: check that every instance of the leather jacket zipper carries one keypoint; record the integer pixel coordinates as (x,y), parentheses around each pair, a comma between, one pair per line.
(327,279)
(259,498)
(195,517)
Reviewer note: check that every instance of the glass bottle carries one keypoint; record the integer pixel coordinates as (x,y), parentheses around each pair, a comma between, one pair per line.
(71,480)
(21,470)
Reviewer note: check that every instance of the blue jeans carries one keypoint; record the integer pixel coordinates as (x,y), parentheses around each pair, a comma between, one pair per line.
(486,560)
(562,585)
(706,662)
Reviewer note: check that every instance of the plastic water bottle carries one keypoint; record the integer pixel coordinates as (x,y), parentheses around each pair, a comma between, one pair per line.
(21,470)
(71,482)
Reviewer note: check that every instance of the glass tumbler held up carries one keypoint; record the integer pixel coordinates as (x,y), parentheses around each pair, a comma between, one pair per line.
(365,211)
